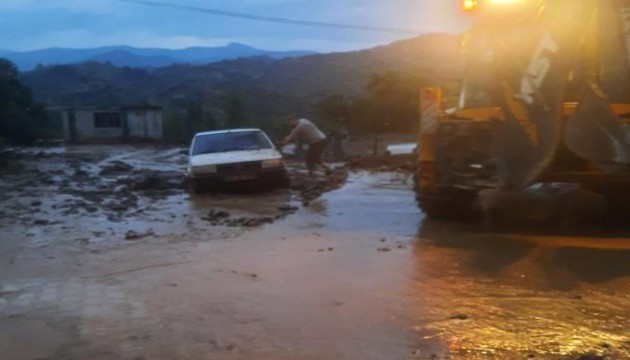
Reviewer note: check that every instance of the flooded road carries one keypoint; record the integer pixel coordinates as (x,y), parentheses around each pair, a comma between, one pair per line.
(356,274)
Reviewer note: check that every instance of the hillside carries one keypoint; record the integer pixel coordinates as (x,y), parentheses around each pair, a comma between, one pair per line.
(139,57)
(267,86)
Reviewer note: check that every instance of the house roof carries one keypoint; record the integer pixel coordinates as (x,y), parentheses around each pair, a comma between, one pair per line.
(141,108)
(108,109)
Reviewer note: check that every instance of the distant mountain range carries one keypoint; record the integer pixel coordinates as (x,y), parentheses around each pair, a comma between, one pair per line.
(127,56)
(267,86)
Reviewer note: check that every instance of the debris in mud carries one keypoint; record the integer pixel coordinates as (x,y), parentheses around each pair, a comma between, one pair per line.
(116,168)
(460,317)
(404,163)
(81,175)
(222,218)
(160,181)
(120,205)
(215,215)
(592,357)
(248,222)
(288,208)
(107,184)
(9,165)
(44,222)
(384,249)
(132,235)
(310,189)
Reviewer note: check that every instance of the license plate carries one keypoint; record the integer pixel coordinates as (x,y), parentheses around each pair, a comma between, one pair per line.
(242,177)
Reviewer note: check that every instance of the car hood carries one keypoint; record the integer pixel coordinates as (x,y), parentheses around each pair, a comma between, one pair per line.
(232,157)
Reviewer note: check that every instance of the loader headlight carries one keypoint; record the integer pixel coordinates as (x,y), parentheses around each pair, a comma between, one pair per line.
(270,164)
(470,4)
(474,4)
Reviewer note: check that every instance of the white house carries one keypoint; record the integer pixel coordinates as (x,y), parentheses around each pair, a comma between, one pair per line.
(126,123)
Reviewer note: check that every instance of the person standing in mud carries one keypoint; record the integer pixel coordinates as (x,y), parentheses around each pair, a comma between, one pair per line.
(307,133)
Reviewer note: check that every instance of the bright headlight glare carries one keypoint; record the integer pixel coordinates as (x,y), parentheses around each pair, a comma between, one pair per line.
(474,4)
(470,4)
(267,164)
(504,1)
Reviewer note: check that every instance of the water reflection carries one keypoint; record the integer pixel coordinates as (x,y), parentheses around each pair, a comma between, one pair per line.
(501,295)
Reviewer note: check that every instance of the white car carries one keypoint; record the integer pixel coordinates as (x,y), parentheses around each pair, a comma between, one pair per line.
(401,149)
(236,157)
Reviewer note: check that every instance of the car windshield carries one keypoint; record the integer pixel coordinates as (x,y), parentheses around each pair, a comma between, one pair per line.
(230,141)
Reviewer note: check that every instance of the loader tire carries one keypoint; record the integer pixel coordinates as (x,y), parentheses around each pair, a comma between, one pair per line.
(446,203)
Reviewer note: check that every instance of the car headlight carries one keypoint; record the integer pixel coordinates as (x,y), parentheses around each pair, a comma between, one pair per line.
(270,164)
(206,169)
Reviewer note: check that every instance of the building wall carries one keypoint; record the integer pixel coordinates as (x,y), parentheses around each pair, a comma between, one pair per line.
(155,127)
(145,123)
(140,123)
(86,126)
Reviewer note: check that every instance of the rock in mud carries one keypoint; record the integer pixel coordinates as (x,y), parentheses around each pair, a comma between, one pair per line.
(161,181)
(248,222)
(592,357)
(217,214)
(288,208)
(128,203)
(133,235)
(116,168)
(42,222)
(460,317)
(311,190)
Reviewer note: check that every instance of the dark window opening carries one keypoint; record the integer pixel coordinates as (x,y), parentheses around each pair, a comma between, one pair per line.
(107,120)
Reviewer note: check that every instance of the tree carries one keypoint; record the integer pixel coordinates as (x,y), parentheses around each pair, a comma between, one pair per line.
(182,125)
(22,120)
(235,110)
(174,126)
(334,112)
(194,116)
(394,98)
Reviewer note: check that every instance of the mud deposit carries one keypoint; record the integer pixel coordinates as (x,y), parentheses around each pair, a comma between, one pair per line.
(104,256)
(124,190)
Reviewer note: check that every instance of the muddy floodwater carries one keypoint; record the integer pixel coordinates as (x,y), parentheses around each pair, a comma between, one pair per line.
(124,264)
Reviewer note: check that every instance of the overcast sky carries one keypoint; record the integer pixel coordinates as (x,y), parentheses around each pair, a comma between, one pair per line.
(36,24)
